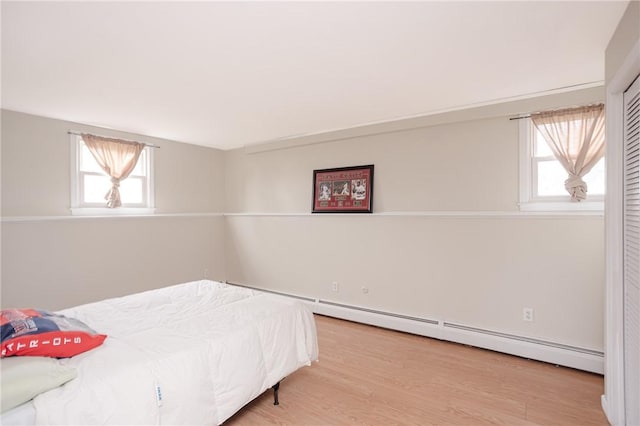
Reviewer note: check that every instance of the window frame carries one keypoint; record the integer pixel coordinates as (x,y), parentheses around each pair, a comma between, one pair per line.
(529,200)
(81,208)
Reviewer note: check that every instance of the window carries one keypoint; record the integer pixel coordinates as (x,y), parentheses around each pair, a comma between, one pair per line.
(542,176)
(89,184)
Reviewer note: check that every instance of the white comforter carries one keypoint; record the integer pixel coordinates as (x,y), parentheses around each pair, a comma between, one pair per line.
(194,353)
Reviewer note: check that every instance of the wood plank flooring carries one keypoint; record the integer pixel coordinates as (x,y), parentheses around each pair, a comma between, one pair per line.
(372,376)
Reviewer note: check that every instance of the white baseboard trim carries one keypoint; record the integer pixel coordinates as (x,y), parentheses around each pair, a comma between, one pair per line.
(582,359)
(525,347)
(429,328)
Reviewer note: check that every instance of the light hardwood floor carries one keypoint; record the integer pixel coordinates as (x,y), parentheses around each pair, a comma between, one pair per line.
(368,375)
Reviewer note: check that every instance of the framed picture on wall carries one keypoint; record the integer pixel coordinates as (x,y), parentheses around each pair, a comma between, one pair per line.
(343,190)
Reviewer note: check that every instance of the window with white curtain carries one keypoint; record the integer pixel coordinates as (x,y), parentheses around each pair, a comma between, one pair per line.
(89,184)
(542,177)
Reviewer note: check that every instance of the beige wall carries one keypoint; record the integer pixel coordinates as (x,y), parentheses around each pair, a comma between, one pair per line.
(623,40)
(415,170)
(446,240)
(35,169)
(55,264)
(53,260)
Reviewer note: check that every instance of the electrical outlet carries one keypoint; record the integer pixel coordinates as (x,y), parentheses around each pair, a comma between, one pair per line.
(335,287)
(527,314)
(206,273)
(365,290)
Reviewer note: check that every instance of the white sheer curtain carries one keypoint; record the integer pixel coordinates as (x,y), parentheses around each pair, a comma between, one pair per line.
(576,137)
(117,158)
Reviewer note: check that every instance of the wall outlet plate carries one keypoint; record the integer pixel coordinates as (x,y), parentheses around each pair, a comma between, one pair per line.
(527,314)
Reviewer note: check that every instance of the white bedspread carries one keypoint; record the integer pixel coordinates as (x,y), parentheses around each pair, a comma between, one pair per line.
(194,353)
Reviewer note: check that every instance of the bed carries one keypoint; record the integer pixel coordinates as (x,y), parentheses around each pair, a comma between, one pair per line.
(194,353)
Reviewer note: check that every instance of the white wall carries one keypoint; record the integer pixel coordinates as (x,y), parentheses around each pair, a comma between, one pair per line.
(53,260)
(446,240)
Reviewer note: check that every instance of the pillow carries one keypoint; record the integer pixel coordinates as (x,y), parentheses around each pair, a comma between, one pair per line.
(22,378)
(34,332)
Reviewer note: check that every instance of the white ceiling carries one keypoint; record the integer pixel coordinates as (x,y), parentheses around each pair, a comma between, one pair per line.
(232,74)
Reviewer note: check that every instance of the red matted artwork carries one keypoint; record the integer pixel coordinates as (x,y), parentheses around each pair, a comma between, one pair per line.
(343,190)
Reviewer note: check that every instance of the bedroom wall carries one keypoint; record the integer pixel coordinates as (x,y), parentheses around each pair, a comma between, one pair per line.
(446,240)
(623,40)
(53,260)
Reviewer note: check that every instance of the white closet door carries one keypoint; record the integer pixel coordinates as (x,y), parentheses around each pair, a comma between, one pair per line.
(632,253)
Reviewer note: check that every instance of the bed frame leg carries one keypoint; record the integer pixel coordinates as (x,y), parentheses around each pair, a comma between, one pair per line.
(275,393)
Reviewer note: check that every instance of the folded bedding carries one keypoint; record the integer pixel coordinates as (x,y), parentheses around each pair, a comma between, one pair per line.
(24,377)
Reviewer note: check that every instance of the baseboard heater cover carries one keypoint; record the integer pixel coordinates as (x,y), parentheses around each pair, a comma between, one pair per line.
(280,293)
(526,347)
(374,311)
(524,339)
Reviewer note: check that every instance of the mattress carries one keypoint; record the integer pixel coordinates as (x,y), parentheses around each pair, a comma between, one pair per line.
(194,353)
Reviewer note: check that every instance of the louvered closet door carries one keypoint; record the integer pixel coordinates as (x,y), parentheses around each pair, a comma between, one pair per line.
(632,253)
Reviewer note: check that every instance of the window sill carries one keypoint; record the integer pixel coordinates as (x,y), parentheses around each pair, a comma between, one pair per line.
(560,206)
(104,211)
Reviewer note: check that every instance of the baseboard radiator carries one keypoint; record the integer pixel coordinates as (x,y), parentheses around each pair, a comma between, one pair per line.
(526,347)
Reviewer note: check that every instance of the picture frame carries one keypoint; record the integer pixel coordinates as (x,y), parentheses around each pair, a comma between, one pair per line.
(343,190)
